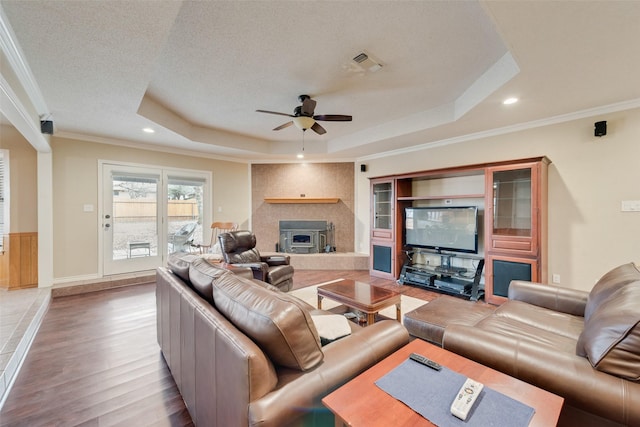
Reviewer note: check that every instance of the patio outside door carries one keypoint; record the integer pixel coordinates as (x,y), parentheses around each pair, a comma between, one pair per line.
(130,219)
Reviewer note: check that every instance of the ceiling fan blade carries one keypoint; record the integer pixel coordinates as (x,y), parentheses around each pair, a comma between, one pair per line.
(286,125)
(308,106)
(318,129)
(274,112)
(333,118)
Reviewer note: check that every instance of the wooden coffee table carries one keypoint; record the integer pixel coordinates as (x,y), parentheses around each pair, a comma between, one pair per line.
(361,296)
(361,403)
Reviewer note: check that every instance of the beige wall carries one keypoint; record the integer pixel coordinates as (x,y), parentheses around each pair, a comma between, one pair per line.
(75,183)
(588,178)
(23,161)
(313,180)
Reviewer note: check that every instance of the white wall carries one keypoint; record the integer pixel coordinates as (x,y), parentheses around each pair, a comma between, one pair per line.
(75,183)
(23,160)
(588,179)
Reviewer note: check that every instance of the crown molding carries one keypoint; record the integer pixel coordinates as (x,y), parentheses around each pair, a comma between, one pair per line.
(17,61)
(577,115)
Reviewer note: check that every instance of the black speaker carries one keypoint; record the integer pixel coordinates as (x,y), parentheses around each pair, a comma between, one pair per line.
(363,168)
(506,271)
(382,258)
(46,126)
(600,128)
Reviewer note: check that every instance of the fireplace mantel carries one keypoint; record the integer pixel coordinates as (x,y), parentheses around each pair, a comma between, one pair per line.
(295,200)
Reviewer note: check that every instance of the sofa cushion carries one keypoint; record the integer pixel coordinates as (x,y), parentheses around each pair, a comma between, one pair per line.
(201,274)
(179,263)
(280,325)
(611,336)
(564,324)
(608,284)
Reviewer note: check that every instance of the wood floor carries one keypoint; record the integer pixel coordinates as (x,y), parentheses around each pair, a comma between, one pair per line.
(96,361)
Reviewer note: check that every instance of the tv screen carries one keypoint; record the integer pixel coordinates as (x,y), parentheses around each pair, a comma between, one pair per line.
(442,228)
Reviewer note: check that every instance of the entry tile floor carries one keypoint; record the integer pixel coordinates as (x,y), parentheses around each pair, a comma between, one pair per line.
(21,312)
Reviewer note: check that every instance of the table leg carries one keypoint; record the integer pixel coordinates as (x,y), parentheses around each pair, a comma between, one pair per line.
(398,311)
(371,318)
(319,302)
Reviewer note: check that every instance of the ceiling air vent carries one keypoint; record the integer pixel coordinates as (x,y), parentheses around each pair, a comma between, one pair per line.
(366,62)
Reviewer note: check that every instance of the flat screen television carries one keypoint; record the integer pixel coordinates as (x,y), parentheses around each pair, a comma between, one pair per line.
(447,228)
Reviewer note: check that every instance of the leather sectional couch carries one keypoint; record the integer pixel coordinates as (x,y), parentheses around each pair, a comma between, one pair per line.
(583,346)
(244,353)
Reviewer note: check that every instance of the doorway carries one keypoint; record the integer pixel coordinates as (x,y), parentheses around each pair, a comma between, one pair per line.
(148,212)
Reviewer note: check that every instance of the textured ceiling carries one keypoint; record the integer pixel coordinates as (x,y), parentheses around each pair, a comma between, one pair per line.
(197,71)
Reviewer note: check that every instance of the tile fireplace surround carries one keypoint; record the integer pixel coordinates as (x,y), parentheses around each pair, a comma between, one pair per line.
(321,180)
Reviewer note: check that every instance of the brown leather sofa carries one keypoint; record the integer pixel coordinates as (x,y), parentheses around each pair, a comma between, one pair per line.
(583,346)
(239,248)
(244,353)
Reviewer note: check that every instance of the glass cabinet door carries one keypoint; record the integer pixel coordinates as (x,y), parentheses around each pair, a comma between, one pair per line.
(382,199)
(512,205)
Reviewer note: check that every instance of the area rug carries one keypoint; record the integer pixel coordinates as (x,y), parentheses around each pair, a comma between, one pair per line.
(309,294)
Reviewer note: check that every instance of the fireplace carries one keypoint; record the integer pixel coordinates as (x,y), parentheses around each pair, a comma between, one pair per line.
(306,237)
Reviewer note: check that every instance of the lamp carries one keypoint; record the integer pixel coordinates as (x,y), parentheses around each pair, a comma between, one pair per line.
(303,122)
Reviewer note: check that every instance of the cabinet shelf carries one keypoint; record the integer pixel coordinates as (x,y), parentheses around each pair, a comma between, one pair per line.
(301,200)
(458,196)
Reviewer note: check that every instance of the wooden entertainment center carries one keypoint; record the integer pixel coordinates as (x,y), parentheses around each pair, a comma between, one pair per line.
(511,197)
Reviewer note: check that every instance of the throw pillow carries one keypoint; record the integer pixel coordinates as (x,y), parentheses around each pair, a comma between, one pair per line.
(608,284)
(611,336)
(331,327)
(280,325)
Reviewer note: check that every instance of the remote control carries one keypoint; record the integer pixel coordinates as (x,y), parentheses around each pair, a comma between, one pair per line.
(465,398)
(427,362)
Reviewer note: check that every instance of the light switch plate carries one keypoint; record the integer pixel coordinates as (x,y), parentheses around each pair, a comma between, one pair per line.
(630,206)
(87,208)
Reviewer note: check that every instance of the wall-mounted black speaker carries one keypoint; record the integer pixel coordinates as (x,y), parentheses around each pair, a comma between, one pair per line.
(363,168)
(600,128)
(46,126)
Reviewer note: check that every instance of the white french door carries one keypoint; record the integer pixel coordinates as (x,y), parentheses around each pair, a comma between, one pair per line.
(147,213)
(131,218)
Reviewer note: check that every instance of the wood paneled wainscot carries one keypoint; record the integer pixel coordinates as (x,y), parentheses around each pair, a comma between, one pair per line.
(19,261)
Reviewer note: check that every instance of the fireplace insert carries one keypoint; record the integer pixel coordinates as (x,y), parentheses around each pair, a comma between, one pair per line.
(305,237)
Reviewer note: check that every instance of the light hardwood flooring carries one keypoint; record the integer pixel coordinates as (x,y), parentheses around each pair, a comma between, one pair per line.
(95,360)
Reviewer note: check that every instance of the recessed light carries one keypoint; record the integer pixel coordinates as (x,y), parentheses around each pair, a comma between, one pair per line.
(510,101)
(148,130)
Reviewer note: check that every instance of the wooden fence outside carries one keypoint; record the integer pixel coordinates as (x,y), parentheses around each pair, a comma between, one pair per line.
(140,209)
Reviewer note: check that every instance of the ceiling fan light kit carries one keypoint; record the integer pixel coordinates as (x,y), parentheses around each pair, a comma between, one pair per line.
(303,122)
(304,118)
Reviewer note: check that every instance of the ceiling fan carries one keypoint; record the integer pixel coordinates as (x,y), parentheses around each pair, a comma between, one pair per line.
(304,119)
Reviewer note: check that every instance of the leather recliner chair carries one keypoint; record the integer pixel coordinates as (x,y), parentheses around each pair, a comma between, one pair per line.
(239,248)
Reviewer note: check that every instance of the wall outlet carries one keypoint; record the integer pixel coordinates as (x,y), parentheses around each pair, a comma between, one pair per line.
(555,278)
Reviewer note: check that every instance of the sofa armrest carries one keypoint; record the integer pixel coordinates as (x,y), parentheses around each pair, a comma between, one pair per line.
(273,260)
(566,300)
(259,269)
(299,393)
(565,374)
